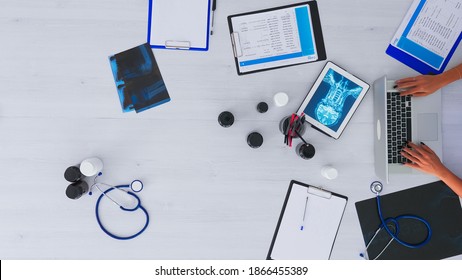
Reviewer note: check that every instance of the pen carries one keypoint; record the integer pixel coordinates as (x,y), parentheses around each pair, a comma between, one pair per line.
(214,7)
(304,215)
(298,134)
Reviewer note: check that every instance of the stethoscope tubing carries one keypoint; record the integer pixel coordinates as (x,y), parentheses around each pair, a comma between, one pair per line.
(377,187)
(396,221)
(139,206)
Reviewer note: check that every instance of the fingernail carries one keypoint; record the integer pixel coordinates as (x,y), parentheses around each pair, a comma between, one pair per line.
(422,143)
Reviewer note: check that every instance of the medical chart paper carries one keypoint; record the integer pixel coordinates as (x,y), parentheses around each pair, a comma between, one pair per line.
(320,217)
(275,38)
(430,30)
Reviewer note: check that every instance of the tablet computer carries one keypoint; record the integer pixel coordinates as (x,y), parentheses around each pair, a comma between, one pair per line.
(333,99)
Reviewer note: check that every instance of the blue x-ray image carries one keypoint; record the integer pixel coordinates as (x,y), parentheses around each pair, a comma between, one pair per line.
(138,79)
(333,100)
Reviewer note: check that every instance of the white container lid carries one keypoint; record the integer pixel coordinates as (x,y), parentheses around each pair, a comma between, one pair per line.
(87,168)
(281,99)
(329,172)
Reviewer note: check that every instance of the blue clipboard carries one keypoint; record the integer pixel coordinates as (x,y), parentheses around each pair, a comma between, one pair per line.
(179,24)
(414,50)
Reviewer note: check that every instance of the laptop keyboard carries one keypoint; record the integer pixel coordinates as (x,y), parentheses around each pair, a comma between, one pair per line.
(398,125)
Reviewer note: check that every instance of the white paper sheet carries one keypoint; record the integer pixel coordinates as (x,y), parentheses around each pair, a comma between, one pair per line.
(322,220)
(180,21)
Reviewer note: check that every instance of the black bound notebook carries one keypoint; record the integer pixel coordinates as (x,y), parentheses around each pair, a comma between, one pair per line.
(138,80)
(434,202)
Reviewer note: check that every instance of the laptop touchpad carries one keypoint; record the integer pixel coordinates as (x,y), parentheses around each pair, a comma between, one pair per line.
(427,125)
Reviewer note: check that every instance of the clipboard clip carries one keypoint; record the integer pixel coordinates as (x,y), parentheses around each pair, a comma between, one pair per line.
(179,45)
(236,42)
(319,191)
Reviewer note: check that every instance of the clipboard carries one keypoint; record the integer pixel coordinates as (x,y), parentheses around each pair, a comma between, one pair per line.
(277,37)
(308,223)
(428,35)
(181,25)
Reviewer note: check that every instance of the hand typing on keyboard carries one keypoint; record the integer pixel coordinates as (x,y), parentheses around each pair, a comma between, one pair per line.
(423,85)
(424,159)
(420,86)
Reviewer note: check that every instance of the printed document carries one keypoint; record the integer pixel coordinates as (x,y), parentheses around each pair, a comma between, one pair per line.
(429,30)
(275,38)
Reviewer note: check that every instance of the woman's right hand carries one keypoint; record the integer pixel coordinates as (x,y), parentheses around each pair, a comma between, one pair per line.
(424,159)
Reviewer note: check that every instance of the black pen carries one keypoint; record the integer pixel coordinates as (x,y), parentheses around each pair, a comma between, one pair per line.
(214,7)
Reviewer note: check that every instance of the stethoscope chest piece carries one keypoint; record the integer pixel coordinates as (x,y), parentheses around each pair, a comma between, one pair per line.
(376,187)
(136,186)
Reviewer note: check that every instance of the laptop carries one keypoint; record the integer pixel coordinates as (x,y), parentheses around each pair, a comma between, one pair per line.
(398,119)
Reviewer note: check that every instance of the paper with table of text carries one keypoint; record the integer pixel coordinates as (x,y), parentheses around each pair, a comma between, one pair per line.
(430,30)
(274,38)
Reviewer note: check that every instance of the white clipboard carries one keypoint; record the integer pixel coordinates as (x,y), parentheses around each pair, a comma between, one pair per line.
(308,224)
(177,24)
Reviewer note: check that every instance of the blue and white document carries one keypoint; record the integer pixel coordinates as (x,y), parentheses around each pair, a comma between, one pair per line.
(428,35)
(276,38)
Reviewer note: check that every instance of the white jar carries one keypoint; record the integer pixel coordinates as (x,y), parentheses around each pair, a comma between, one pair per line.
(329,172)
(281,99)
(91,166)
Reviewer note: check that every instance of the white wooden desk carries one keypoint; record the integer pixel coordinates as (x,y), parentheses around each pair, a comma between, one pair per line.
(210,196)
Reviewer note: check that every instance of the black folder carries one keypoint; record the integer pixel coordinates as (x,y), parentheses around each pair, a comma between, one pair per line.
(434,202)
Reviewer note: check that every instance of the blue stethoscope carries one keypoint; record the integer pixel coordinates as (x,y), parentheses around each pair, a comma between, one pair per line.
(391,225)
(135,187)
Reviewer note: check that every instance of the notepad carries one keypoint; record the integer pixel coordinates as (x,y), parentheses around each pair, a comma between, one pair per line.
(308,224)
(177,24)
(276,37)
(428,35)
